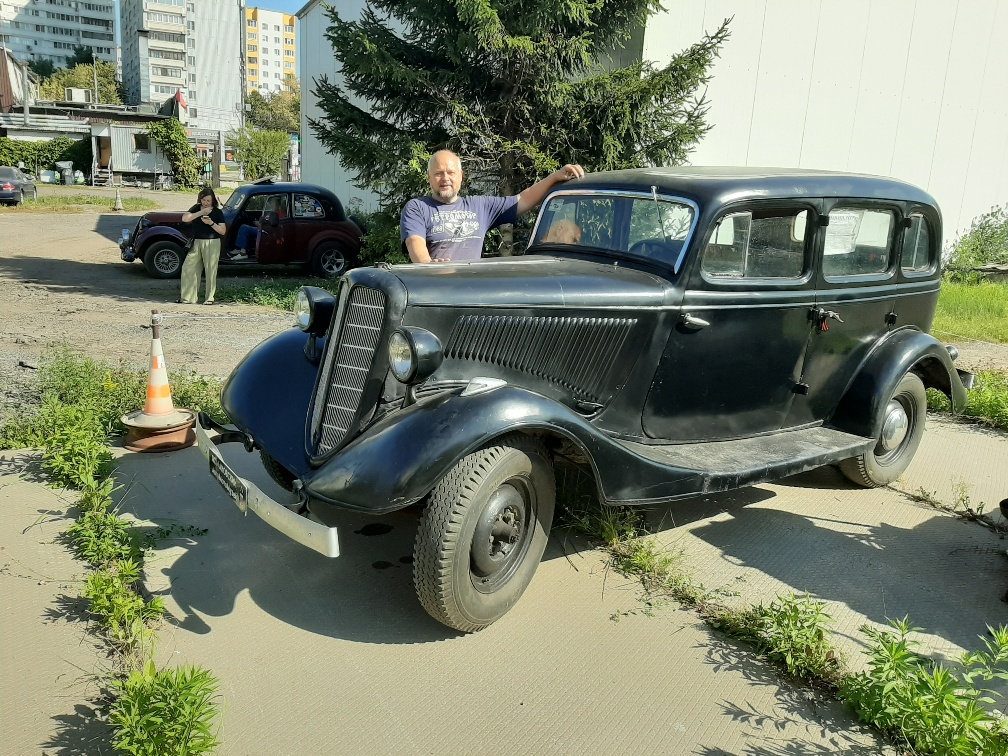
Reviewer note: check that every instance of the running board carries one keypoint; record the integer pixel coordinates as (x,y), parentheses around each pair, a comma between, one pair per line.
(725,465)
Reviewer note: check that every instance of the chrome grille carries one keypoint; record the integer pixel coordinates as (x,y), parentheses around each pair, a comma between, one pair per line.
(576,353)
(348,362)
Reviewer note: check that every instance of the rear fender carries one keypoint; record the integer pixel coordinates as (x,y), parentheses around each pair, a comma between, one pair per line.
(399,459)
(268,394)
(860,411)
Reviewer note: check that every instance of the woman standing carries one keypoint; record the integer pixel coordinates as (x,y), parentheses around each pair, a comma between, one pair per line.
(207,227)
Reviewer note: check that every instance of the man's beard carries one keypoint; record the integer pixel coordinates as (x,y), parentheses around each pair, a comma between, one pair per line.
(444,195)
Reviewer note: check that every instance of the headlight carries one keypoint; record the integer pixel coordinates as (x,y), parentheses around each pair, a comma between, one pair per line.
(401,360)
(313,310)
(414,354)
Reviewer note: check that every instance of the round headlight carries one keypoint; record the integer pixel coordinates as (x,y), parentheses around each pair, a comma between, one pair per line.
(303,310)
(402,363)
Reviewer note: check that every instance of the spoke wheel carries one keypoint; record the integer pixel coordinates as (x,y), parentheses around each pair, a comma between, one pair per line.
(163,259)
(483,533)
(900,435)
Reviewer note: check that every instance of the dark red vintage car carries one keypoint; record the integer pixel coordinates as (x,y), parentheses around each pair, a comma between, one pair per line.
(288,224)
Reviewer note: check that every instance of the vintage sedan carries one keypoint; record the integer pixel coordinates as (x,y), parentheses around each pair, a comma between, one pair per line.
(677,331)
(291,224)
(16,186)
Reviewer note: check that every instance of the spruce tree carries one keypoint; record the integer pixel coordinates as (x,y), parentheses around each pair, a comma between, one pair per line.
(515,87)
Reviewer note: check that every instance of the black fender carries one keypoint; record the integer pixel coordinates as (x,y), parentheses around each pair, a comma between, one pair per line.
(860,411)
(268,394)
(398,460)
(155,234)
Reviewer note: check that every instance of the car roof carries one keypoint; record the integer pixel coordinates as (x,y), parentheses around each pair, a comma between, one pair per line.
(719,185)
(286,186)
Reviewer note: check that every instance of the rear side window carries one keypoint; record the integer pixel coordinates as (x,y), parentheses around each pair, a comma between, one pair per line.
(306,206)
(858,242)
(764,244)
(917,246)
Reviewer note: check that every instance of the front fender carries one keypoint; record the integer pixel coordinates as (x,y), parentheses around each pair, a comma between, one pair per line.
(398,460)
(158,233)
(268,394)
(860,411)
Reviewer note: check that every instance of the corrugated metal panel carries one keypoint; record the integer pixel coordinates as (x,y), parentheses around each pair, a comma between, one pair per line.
(126,159)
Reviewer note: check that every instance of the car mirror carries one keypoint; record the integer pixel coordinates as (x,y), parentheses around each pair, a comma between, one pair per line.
(28,177)
(270,218)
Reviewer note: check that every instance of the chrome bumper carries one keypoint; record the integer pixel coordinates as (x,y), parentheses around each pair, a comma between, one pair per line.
(248,496)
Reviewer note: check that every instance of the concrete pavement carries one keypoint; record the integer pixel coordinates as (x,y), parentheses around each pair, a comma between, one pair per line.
(336,656)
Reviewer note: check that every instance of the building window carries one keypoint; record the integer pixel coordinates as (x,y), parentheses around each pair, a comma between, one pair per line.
(289,29)
(276,27)
(191,43)
(250,22)
(276,75)
(192,60)
(252,61)
(192,78)
(141,142)
(289,41)
(253,48)
(192,112)
(253,35)
(288,64)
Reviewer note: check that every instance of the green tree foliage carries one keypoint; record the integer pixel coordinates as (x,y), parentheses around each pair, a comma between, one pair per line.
(515,88)
(986,242)
(171,137)
(43,67)
(82,77)
(261,152)
(42,156)
(82,56)
(277,111)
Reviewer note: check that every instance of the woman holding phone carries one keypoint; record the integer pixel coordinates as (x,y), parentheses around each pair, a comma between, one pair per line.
(207,227)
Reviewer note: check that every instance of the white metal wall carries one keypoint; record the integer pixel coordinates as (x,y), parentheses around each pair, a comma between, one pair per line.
(219,49)
(916,89)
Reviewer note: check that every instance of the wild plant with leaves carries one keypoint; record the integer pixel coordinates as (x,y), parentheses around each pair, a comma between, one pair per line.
(516,89)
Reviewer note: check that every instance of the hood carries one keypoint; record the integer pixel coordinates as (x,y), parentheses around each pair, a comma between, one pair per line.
(531,281)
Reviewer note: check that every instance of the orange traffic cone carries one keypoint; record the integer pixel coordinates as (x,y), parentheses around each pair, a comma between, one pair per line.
(158,426)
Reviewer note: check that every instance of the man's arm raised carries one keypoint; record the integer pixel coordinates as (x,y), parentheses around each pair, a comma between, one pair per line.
(531,197)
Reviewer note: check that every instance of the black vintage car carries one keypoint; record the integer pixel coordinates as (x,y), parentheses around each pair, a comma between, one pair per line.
(680,331)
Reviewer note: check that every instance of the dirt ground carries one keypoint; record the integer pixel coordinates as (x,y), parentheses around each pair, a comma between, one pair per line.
(62,281)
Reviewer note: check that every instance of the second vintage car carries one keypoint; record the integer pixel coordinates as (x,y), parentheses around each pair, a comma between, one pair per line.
(676,331)
(292,224)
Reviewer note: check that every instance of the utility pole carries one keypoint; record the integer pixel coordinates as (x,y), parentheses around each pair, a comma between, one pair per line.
(25,90)
(94,70)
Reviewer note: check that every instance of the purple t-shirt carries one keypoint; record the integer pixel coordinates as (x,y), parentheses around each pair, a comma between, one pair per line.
(455,231)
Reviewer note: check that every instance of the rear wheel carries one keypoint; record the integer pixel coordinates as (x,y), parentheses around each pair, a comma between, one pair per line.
(483,533)
(34,194)
(163,259)
(277,471)
(330,260)
(20,200)
(897,442)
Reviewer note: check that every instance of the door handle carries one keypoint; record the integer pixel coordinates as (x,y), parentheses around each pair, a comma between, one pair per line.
(693,321)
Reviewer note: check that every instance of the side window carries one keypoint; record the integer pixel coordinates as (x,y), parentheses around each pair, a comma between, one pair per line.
(917,246)
(255,204)
(306,206)
(858,242)
(757,244)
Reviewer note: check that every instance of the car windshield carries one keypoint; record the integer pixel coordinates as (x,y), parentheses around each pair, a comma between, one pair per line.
(7,173)
(237,197)
(639,225)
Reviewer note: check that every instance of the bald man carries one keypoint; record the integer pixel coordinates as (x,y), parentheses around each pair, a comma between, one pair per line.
(445,227)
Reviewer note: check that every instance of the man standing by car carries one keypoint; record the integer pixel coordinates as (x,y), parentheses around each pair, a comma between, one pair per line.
(446,227)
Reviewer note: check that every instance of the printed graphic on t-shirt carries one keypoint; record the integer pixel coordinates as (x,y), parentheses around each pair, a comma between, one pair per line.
(455,224)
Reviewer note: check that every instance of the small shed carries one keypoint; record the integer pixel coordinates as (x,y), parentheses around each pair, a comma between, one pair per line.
(122,150)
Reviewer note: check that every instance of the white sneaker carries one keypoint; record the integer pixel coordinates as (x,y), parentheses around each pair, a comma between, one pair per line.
(239,255)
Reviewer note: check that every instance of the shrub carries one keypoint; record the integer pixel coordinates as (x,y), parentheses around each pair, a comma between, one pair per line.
(985,242)
(42,156)
(171,137)
(166,712)
(123,612)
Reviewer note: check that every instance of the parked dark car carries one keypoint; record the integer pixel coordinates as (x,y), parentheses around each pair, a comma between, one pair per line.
(16,186)
(677,331)
(300,224)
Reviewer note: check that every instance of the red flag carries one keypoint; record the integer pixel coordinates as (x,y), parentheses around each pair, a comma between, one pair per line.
(181,99)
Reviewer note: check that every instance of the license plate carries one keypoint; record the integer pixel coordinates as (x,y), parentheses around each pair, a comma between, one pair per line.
(230,482)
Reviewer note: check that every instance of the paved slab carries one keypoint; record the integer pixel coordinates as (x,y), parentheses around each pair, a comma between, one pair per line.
(336,656)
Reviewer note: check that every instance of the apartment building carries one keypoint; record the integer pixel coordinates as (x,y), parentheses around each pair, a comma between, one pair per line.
(51,29)
(270,49)
(191,49)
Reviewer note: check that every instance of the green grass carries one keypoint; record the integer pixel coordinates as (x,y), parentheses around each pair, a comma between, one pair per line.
(278,293)
(81,202)
(987,401)
(976,311)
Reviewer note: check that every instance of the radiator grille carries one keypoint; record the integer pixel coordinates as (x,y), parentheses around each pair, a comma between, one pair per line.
(348,364)
(576,353)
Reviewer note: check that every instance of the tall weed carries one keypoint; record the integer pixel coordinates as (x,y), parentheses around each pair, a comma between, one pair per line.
(986,241)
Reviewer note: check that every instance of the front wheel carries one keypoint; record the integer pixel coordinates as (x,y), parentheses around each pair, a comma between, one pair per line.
(35,194)
(483,533)
(163,259)
(20,199)
(897,442)
(330,260)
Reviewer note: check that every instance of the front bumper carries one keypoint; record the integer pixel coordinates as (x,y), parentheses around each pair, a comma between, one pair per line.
(126,251)
(248,496)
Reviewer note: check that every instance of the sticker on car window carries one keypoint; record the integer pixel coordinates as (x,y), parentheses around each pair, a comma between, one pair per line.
(842,232)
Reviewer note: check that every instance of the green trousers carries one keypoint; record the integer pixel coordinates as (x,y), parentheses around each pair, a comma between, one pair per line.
(205,254)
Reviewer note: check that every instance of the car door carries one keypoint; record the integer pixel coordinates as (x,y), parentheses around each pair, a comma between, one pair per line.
(855,301)
(272,246)
(731,364)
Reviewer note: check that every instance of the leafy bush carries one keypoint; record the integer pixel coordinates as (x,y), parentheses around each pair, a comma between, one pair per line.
(100,537)
(125,616)
(166,713)
(75,450)
(936,710)
(261,152)
(985,242)
(987,401)
(42,156)
(171,137)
